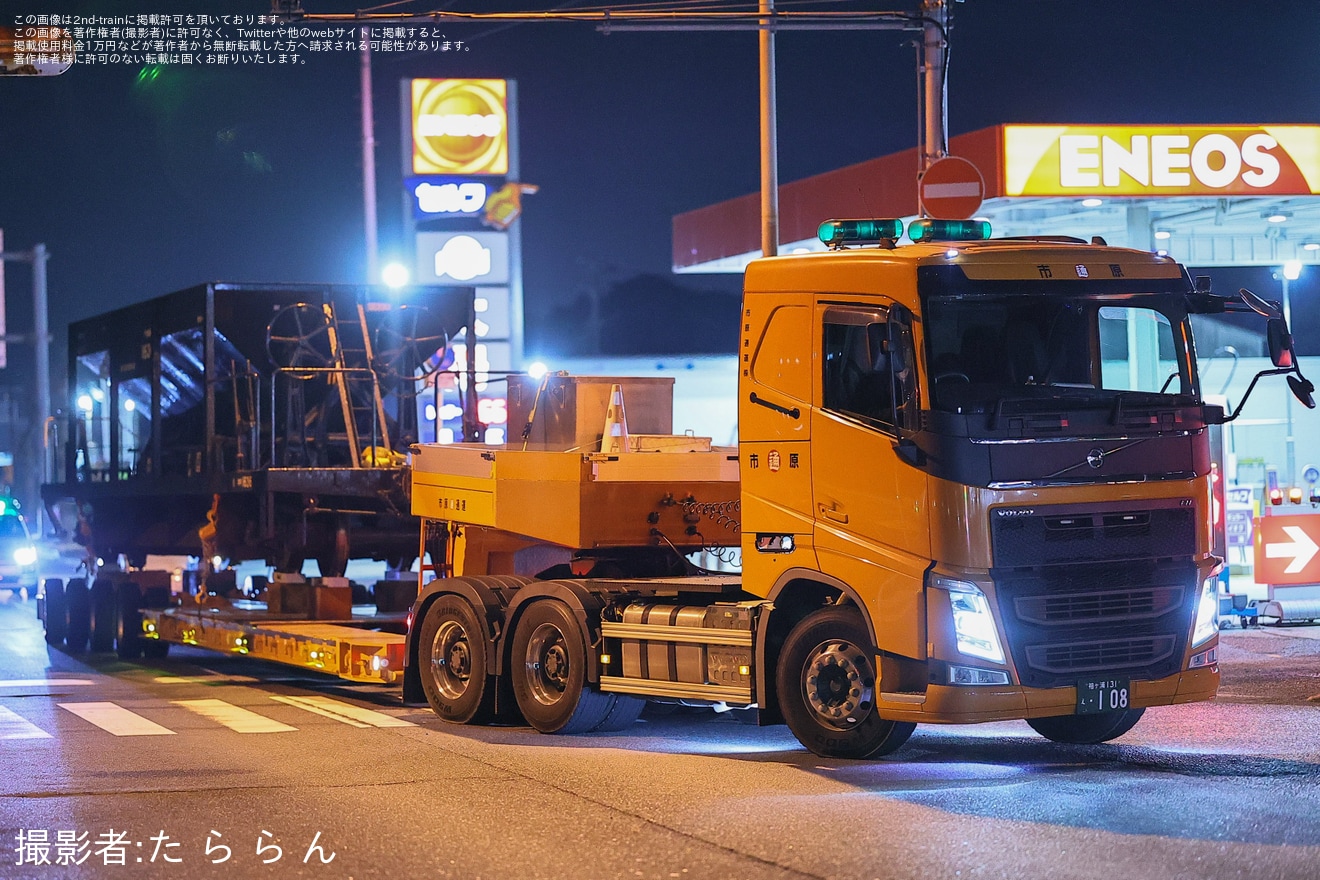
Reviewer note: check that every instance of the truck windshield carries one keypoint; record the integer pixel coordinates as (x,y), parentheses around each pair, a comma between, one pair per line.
(1063,351)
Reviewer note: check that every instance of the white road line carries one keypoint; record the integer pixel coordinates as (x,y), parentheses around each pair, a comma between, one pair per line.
(345,713)
(203,679)
(116,719)
(15,726)
(234,717)
(45,682)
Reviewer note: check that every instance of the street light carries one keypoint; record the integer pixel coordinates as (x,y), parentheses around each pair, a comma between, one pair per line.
(1292,270)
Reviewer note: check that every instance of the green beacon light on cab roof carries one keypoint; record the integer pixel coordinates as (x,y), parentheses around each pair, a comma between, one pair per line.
(837,233)
(948,230)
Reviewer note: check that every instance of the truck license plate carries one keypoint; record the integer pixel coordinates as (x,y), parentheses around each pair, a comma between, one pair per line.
(1102,695)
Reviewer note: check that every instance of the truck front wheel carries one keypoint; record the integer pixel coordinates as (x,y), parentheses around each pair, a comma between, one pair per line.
(549,670)
(827,685)
(1087,729)
(454,675)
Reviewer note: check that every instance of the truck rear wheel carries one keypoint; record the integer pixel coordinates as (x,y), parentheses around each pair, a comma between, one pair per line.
(1087,729)
(827,684)
(549,671)
(453,663)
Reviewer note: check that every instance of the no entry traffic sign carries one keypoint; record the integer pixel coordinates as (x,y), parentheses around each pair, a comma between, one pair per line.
(1288,549)
(951,189)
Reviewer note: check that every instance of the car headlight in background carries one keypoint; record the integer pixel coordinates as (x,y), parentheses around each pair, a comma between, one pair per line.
(1207,611)
(973,623)
(26,555)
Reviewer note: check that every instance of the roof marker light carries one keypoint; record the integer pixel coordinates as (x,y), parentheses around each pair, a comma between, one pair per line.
(1092,203)
(1311,246)
(837,233)
(1162,234)
(948,230)
(951,253)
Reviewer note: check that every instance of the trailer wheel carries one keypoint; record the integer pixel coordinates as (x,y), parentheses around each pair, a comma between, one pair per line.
(453,663)
(105,615)
(826,683)
(57,618)
(1087,729)
(549,671)
(78,605)
(128,638)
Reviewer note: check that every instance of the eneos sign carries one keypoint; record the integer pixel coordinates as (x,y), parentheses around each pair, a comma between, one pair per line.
(460,126)
(1121,160)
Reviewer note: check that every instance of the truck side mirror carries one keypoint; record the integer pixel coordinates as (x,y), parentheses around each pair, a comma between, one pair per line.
(1280,343)
(1303,390)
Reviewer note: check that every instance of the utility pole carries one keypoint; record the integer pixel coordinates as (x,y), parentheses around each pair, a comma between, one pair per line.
(934,98)
(769,137)
(368,159)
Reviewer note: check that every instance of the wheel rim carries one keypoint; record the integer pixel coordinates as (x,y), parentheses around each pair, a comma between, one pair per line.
(451,659)
(547,664)
(839,685)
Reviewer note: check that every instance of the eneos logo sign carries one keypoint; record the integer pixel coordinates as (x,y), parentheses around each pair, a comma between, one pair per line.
(1054,160)
(460,126)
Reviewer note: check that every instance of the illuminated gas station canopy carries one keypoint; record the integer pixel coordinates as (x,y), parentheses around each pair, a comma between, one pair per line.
(1207,194)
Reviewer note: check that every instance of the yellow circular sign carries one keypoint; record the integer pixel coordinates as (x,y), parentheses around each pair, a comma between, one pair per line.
(460,126)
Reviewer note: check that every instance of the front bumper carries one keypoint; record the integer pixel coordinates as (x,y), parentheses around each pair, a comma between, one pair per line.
(949,704)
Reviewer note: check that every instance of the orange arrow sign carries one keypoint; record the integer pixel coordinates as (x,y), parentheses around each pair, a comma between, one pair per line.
(1287,550)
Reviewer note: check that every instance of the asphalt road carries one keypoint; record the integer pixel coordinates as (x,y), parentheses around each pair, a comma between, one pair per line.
(154,762)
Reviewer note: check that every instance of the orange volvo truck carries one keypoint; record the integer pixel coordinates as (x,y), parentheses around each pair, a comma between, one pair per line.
(972,484)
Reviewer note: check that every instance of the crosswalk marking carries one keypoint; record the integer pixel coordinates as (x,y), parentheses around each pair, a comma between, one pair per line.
(15,726)
(234,717)
(116,719)
(346,713)
(203,679)
(45,682)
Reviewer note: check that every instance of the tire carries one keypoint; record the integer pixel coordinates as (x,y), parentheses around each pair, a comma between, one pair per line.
(57,617)
(452,660)
(155,649)
(78,608)
(128,637)
(549,671)
(1087,729)
(105,615)
(826,684)
(623,714)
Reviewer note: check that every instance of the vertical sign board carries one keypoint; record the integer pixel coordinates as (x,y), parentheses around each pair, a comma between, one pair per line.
(1238,516)
(460,147)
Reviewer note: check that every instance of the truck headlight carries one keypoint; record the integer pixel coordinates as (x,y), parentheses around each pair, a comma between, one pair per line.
(1207,611)
(973,623)
(26,555)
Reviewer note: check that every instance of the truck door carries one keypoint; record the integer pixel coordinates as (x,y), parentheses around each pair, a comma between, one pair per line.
(872,530)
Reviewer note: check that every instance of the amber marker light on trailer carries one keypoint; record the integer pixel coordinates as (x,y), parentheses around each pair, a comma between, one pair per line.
(837,233)
(948,230)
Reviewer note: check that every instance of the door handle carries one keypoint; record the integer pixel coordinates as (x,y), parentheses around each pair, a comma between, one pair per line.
(834,512)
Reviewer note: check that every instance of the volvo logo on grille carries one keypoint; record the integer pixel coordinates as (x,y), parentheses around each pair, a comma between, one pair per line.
(1095,457)
(1019,511)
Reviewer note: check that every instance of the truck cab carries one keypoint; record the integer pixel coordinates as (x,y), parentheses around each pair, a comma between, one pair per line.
(996,454)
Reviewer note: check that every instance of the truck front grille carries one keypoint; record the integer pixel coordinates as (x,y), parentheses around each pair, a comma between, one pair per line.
(1095,592)
(1100,656)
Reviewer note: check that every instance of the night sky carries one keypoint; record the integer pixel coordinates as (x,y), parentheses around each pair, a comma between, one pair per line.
(143,186)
